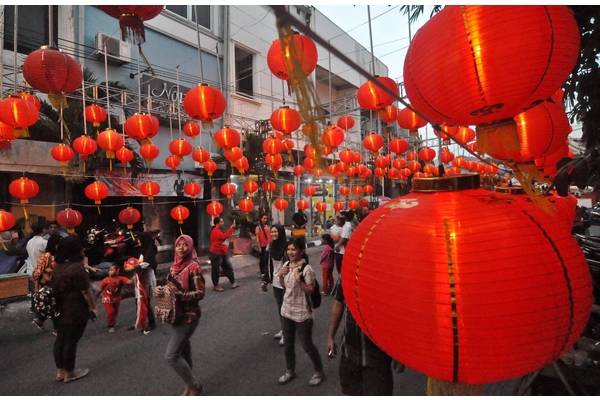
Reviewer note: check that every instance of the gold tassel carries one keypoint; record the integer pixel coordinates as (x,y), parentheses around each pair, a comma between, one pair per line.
(497,139)
(526,173)
(58,100)
(436,387)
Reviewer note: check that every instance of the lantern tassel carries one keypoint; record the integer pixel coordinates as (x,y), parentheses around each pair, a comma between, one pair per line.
(498,138)
(132,26)
(98,207)
(436,387)
(25,214)
(58,100)
(180,230)
(132,235)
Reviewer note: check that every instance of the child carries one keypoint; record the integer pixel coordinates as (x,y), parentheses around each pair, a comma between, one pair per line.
(110,288)
(327,264)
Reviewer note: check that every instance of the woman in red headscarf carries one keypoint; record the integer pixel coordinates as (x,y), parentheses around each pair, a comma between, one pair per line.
(186,275)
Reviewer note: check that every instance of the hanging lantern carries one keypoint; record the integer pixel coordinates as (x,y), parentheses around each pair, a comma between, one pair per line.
(192,189)
(321,207)
(333,136)
(332,170)
(446,132)
(414,166)
(446,156)
(228,189)
(84,146)
(310,151)
(69,219)
(346,156)
(246,205)
(200,155)
(382,161)
(389,114)
(23,188)
(33,99)
(19,114)
(288,189)
(372,97)
(317,172)
(7,220)
(341,167)
(269,186)
(180,148)
(411,155)
(373,142)
(405,172)
(282,60)
(227,138)
(453,171)
(357,190)
(149,152)
(356,157)
(278,135)
(399,163)
(129,216)
(95,114)
(426,154)
(286,120)
(214,208)
(379,172)
(124,155)
(345,122)
(62,153)
(353,204)
(7,133)
(351,171)
(150,189)
(393,173)
(363,171)
(363,203)
(302,204)
(275,161)
(192,129)
(398,146)
(242,165)
(368,189)
(459,161)
(408,119)
(288,145)
(298,170)
(96,191)
(338,206)
(53,72)
(250,187)
(131,19)
(435,315)
(486,88)
(463,135)
(272,146)
(140,127)
(172,162)
(431,169)
(110,141)
(204,103)
(310,190)
(180,214)
(344,191)
(280,203)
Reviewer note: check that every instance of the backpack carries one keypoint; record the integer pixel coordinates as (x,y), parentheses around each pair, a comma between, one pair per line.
(44,303)
(314,299)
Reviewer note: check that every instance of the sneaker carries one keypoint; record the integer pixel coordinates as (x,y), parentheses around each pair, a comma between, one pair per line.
(38,324)
(263,286)
(218,288)
(54,333)
(235,285)
(146,332)
(77,374)
(278,335)
(316,379)
(285,378)
(111,330)
(281,342)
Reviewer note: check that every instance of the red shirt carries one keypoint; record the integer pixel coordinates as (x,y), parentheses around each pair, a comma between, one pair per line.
(263,234)
(111,288)
(217,237)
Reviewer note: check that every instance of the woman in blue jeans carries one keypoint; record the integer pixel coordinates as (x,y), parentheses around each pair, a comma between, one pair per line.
(185,273)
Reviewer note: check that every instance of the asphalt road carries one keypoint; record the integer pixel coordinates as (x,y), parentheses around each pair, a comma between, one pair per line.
(233,352)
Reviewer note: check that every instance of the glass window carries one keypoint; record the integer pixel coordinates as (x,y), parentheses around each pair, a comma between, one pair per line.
(204,14)
(244,77)
(32,29)
(179,10)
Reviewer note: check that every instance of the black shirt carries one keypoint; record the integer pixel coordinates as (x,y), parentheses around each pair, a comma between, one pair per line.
(69,280)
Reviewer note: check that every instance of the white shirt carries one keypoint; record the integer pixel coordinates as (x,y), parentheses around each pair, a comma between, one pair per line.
(346,233)
(277,264)
(35,248)
(336,230)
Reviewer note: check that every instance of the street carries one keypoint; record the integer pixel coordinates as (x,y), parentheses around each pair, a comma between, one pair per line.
(233,350)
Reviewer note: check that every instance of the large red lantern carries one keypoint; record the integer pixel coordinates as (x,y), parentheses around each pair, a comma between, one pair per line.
(363,203)
(250,187)
(180,214)
(150,189)
(398,146)
(298,170)
(286,52)
(172,162)
(53,72)
(275,161)
(310,190)
(373,142)
(272,146)
(19,114)
(435,315)
(85,146)
(430,169)
(62,153)
(269,186)
(408,119)
(131,19)
(200,155)
(286,120)
(356,157)
(333,136)
(124,155)
(246,205)
(35,101)
(484,54)
(227,138)
(463,134)
(413,165)
(210,167)
(214,208)
(372,97)
(242,165)
(23,188)
(426,154)
(7,220)
(288,189)
(110,141)
(69,219)
(399,163)
(228,189)
(345,122)
(149,152)
(192,129)
(96,191)
(338,206)
(302,204)
(180,148)
(382,161)
(192,189)
(95,114)
(129,216)
(321,207)
(388,114)
(204,103)
(446,156)
(281,203)
(347,156)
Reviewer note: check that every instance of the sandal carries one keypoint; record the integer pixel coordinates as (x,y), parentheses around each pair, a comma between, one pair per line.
(77,374)
(316,379)
(285,378)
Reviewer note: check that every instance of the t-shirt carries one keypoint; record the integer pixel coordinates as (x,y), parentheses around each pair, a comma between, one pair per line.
(336,230)
(295,306)
(277,264)
(111,288)
(35,248)
(346,233)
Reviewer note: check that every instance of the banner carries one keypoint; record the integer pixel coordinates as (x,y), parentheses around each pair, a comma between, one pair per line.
(121,184)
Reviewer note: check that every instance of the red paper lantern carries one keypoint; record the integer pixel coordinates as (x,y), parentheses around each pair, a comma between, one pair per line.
(289,189)
(463,135)
(310,151)
(210,167)
(372,97)
(310,190)
(302,204)
(453,171)
(35,101)
(446,156)
(192,129)
(317,172)
(7,220)
(298,170)
(364,171)
(286,120)
(345,122)
(408,119)
(368,189)
(351,171)
(274,160)
(333,136)
(341,167)
(379,172)
(442,326)
(446,132)
(233,154)
(411,155)
(363,203)
(405,172)
(227,138)
(278,135)
(228,189)
(357,190)
(338,206)
(399,163)
(149,152)
(388,114)
(62,153)
(18,113)
(124,155)
(250,187)
(96,191)
(356,157)
(269,186)
(172,162)
(246,205)
(398,146)
(352,204)
(373,142)
(95,114)
(281,57)
(430,169)
(394,173)
(53,72)
(23,188)
(459,161)
(150,189)
(382,161)
(272,146)
(426,154)
(110,141)
(131,19)
(129,216)
(69,219)
(180,214)
(214,208)
(200,155)
(321,207)
(242,165)
(486,88)
(347,156)
(204,103)
(192,189)
(84,146)
(180,148)
(413,165)
(344,191)
(7,133)
(332,170)
(280,203)
(288,144)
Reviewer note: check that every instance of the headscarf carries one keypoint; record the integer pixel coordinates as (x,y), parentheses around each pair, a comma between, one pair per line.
(278,246)
(180,263)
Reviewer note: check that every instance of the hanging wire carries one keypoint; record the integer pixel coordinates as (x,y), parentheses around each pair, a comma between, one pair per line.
(106,82)
(177,101)
(15,40)
(139,82)
(83,102)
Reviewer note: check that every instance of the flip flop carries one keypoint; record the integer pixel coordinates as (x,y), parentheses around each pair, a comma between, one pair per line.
(77,374)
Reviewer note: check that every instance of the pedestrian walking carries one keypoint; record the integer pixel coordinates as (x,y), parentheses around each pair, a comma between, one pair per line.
(263,236)
(218,254)
(110,294)
(336,234)
(75,303)
(277,257)
(298,279)
(327,262)
(42,275)
(186,275)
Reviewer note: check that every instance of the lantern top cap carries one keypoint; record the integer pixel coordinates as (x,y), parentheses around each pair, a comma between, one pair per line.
(446,183)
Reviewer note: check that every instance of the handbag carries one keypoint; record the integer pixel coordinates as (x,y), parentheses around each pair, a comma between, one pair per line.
(167,308)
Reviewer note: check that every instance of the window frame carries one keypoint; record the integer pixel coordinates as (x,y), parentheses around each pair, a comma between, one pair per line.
(188,17)
(28,49)
(253,54)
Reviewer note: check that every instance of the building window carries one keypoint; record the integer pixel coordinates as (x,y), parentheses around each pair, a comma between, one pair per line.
(32,29)
(189,13)
(244,77)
